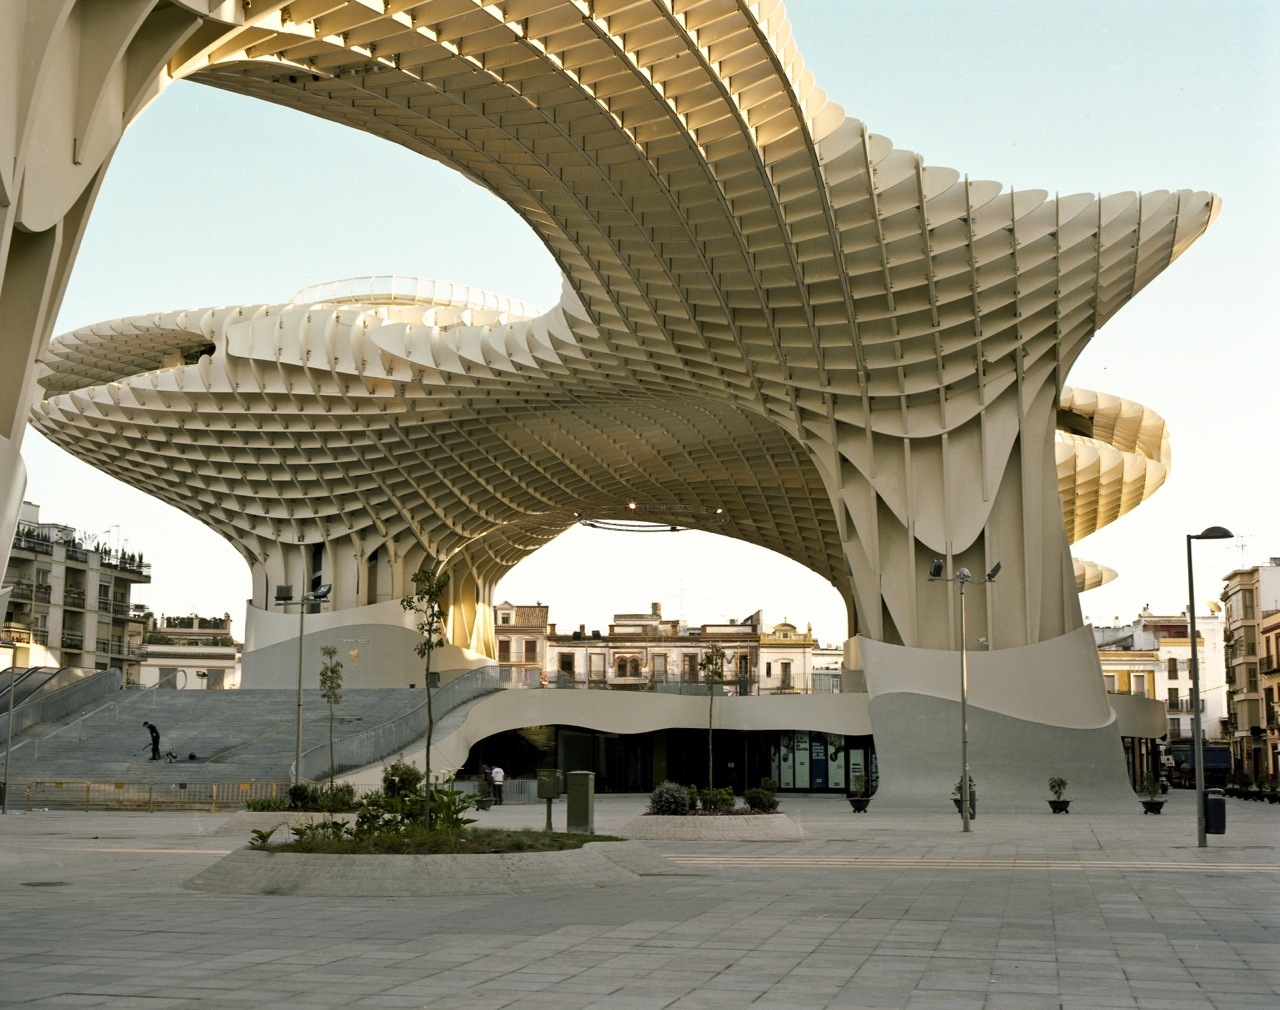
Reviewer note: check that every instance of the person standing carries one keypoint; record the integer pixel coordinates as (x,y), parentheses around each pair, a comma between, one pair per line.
(155,740)
(497,776)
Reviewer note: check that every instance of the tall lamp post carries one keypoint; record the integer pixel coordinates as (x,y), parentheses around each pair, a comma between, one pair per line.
(1212,533)
(284,598)
(962,578)
(12,646)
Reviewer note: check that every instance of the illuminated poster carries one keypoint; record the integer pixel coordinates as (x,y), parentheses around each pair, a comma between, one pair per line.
(818,760)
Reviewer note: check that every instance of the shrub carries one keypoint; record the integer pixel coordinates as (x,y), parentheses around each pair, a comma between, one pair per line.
(717,801)
(669,799)
(299,794)
(266,804)
(340,797)
(768,785)
(448,805)
(401,779)
(762,801)
(1057,786)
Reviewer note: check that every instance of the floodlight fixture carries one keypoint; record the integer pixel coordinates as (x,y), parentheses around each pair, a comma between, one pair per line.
(935,569)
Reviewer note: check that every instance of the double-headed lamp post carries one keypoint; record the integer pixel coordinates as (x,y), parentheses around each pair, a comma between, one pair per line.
(284,598)
(962,578)
(1212,533)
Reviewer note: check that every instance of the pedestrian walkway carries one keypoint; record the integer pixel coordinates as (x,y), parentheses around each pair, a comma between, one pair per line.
(886,910)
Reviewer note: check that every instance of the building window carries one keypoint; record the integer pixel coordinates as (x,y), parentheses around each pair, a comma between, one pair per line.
(622,666)
(504,650)
(690,670)
(504,617)
(768,670)
(1109,681)
(530,650)
(595,665)
(1171,667)
(1173,697)
(1175,728)
(744,666)
(659,662)
(1138,684)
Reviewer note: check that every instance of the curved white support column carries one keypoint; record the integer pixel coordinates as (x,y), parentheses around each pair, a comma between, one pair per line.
(1034,712)
(382,633)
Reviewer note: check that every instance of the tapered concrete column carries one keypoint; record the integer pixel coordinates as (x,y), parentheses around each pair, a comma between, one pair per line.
(1034,712)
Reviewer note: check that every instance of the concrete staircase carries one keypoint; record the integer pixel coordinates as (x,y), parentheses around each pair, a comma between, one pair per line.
(236,736)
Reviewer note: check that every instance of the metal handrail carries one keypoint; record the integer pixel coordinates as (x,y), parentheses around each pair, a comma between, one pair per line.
(358,750)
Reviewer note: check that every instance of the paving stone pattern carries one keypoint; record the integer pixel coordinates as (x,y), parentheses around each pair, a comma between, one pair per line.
(886,910)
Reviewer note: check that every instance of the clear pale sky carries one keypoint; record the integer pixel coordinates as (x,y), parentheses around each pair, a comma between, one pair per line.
(214,199)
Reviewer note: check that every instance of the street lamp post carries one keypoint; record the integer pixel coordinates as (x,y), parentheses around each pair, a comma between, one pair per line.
(962,578)
(12,646)
(1212,533)
(284,598)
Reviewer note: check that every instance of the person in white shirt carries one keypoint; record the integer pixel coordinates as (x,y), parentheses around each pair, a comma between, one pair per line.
(497,776)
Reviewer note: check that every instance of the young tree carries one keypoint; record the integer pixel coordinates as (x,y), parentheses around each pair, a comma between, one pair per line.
(429,584)
(712,666)
(331,691)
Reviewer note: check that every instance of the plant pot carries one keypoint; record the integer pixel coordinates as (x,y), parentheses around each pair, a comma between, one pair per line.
(1060,806)
(1152,806)
(973,805)
(483,802)
(859,803)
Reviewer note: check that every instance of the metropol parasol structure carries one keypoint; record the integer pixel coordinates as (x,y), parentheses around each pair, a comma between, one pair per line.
(774,325)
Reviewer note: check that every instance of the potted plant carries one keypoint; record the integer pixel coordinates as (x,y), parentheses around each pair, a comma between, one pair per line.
(1270,791)
(973,797)
(1150,788)
(857,794)
(1058,805)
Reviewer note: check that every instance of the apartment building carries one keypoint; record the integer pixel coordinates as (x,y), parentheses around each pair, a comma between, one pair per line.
(1269,670)
(645,651)
(1251,596)
(71,599)
(190,652)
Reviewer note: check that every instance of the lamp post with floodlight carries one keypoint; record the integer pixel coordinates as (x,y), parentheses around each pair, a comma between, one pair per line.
(1212,533)
(962,578)
(284,598)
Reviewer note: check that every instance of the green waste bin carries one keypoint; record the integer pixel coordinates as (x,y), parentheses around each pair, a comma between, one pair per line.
(549,787)
(581,816)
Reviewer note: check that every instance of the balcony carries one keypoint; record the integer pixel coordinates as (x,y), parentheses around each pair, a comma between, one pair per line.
(73,598)
(34,592)
(72,640)
(1267,664)
(25,543)
(1182,705)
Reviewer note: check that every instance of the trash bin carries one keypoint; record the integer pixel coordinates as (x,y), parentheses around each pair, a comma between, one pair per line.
(581,819)
(549,783)
(1215,812)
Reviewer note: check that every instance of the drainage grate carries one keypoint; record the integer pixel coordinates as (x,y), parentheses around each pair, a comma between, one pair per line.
(46,883)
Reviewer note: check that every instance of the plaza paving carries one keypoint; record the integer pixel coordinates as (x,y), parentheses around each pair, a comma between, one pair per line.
(887,909)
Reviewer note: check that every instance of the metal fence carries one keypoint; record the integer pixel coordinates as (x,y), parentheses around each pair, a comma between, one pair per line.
(358,750)
(62,702)
(211,796)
